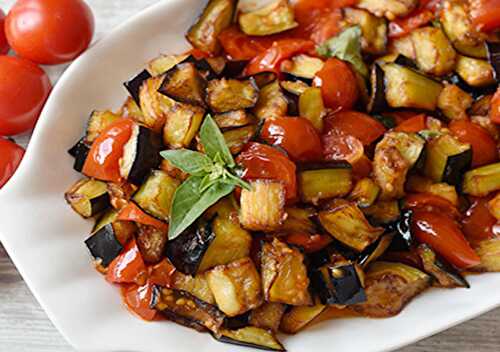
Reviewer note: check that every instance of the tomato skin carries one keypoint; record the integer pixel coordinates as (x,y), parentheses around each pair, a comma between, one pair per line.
(106,151)
(356,124)
(310,243)
(240,46)
(4,45)
(296,135)
(495,108)
(478,223)
(24,88)
(260,161)
(161,273)
(49,31)
(403,26)
(338,84)
(413,124)
(338,146)
(138,299)
(432,203)
(11,155)
(132,212)
(128,267)
(484,147)
(485,14)
(444,236)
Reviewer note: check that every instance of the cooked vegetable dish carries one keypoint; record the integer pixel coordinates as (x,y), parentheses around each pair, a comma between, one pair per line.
(304,161)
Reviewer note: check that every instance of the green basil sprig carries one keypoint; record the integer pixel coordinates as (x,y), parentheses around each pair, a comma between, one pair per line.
(212,177)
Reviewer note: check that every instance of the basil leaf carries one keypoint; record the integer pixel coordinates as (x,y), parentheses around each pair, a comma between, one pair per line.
(214,143)
(191,162)
(346,46)
(229,178)
(189,204)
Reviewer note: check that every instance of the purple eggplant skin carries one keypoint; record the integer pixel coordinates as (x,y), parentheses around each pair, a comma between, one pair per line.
(134,85)
(104,246)
(494,58)
(377,103)
(147,155)
(79,151)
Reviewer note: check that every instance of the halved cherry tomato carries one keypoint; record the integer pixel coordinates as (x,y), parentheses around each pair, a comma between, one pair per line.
(128,267)
(24,88)
(484,147)
(11,155)
(432,203)
(413,124)
(362,167)
(400,116)
(106,151)
(339,146)
(338,84)
(49,31)
(296,135)
(444,236)
(240,46)
(419,17)
(161,273)
(133,213)
(478,223)
(485,14)
(353,123)
(138,299)
(260,161)
(270,60)
(4,46)
(310,243)
(495,108)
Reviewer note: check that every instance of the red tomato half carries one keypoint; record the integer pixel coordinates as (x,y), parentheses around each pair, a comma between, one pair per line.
(240,46)
(106,151)
(478,223)
(260,161)
(356,124)
(484,147)
(338,84)
(162,273)
(128,267)
(10,157)
(4,46)
(444,236)
(413,124)
(138,299)
(296,135)
(485,14)
(422,15)
(49,31)
(24,88)
(432,203)
(495,108)
(133,213)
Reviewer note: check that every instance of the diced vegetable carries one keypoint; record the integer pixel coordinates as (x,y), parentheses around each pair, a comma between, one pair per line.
(374,29)
(88,197)
(383,211)
(295,87)
(183,122)
(299,221)
(232,119)
(377,102)
(315,185)
(298,317)
(98,122)
(493,50)
(164,63)
(184,84)
(311,107)
(272,102)
(79,151)
(454,102)
(389,8)
(134,85)
(273,18)
(494,206)
(267,316)
(425,185)
(151,242)
(302,67)
(476,72)
(434,53)
(122,230)
(154,106)
(104,245)
(237,138)
(131,109)
(376,250)
(263,207)
(251,337)
(365,192)
(196,285)
(483,180)
(284,274)
(489,252)
(128,267)
(120,194)
(230,94)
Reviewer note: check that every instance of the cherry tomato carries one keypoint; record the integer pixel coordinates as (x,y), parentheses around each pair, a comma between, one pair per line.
(338,146)
(106,151)
(260,161)
(10,157)
(240,46)
(310,243)
(24,88)
(133,213)
(495,108)
(485,14)
(478,223)
(356,124)
(413,124)
(161,274)
(444,236)
(431,202)
(270,60)
(138,299)
(484,147)
(4,46)
(49,31)
(338,84)
(362,167)
(128,267)
(296,135)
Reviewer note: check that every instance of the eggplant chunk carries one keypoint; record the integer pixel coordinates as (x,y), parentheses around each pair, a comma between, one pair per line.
(312,107)
(302,67)
(195,285)
(403,46)
(394,156)
(315,185)
(494,206)
(134,85)
(373,28)
(272,102)
(454,102)
(299,317)
(406,88)
(345,222)
(184,84)
(236,287)
(389,287)
(489,252)
(98,122)
(365,192)
(445,275)
(79,151)
(183,308)
(151,242)
(231,94)
(475,72)
(383,211)
(154,106)
(299,221)
(131,109)
(233,119)
(284,274)
(389,8)
(267,316)
(164,63)
(122,230)
(273,18)
(104,246)
(217,16)
(482,181)
(251,336)
(183,122)
(120,193)
(237,138)
(295,87)
(263,207)
(434,53)
(88,197)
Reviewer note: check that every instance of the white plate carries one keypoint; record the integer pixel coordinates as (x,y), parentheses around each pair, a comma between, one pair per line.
(45,238)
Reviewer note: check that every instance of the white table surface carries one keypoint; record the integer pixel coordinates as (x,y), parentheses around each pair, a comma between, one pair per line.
(24,326)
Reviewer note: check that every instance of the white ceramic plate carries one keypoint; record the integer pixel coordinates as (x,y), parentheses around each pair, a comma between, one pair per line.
(45,238)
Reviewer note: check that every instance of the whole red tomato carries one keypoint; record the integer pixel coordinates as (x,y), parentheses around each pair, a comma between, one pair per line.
(4,46)
(49,31)
(10,156)
(24,87)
